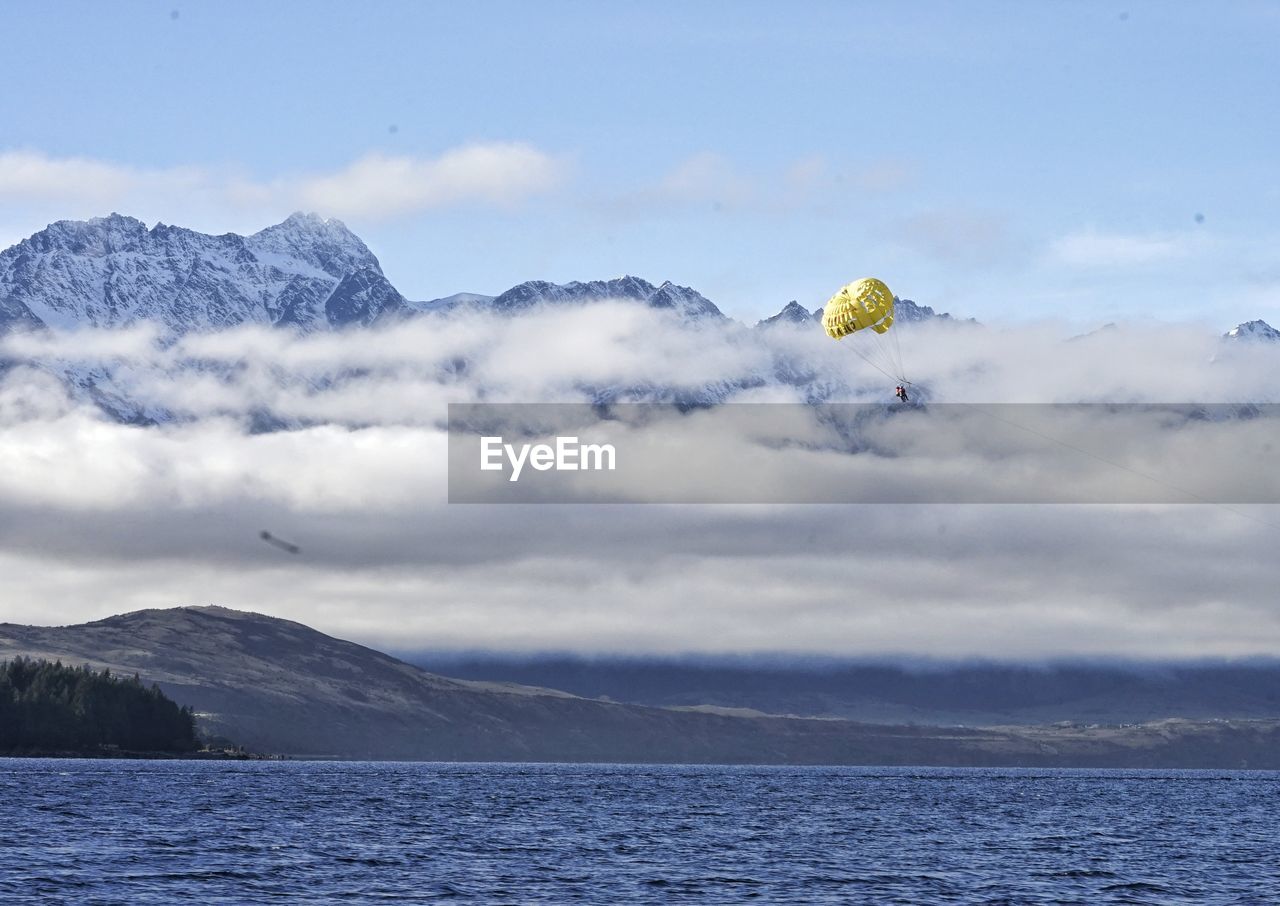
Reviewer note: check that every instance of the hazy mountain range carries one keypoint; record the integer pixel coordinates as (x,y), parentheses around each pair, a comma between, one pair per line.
(924,692)
(279,686)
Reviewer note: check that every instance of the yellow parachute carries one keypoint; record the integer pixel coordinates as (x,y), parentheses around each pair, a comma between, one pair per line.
(863,304)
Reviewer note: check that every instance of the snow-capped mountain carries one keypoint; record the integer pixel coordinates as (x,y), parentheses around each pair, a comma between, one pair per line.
(683,301)
(449,302)
(115,272)
(792,313)
(1253,330)
(306,272)
(907,312)
(308,275)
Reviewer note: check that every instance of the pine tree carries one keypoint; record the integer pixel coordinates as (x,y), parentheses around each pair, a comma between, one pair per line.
(48,706)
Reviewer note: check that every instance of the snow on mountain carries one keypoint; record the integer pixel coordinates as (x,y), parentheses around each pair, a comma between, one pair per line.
(114,272)
(907,312)
(454,301)
(309,275)
(685,302)
(326,245)
(1253,330)
(792,313)
(312,275)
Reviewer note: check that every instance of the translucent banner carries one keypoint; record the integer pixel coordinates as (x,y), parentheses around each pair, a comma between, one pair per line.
(783,453)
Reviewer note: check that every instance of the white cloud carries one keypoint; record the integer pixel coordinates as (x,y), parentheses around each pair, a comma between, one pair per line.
(376,186)
(102,517)
(1116,250)
(129,343)
(379,185)
(27,175)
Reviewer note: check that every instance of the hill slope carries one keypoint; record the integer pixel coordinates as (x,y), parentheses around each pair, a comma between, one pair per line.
(279,686)
(975,694)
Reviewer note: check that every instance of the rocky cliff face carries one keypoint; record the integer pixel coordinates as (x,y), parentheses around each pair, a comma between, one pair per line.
(682,300)
(115,272)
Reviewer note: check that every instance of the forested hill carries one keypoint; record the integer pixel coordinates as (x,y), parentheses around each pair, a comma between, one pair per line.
(280,686)
(48,707)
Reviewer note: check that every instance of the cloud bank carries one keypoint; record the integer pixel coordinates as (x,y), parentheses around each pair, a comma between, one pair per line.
(101,517)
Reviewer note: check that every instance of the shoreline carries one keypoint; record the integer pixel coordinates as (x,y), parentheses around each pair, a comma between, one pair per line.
(126,755)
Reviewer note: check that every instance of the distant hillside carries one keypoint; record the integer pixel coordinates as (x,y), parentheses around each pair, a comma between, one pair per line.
(278,686)
(940,694)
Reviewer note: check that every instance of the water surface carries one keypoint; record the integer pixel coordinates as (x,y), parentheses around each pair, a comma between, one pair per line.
(86,831)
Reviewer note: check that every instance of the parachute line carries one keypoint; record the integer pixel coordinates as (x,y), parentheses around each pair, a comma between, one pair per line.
(863,304)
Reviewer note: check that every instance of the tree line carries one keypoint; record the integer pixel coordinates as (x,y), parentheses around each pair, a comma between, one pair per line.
(46,706)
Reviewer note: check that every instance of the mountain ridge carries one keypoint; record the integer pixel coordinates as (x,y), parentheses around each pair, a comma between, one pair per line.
(889,691)
(280,686)
(306,272)
(307,275)
(113,271)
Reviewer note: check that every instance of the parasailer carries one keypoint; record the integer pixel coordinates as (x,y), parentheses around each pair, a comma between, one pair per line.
(868,305)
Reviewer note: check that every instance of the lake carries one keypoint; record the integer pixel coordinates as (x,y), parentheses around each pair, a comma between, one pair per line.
(94,831)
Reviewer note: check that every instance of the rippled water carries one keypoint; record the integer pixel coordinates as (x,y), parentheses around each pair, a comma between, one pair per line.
(235,832)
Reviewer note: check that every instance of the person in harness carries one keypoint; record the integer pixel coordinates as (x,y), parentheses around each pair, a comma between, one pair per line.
(901,393)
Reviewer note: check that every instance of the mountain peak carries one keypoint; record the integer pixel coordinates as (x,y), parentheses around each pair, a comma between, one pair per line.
(113,272)
(307,217)
(792,313)
(1253,330)
(97,236)
(904,310)
(686,302)
(324,243)
(113,220)
(312,222)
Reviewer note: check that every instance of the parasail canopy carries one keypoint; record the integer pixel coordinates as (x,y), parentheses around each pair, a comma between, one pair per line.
(862,304)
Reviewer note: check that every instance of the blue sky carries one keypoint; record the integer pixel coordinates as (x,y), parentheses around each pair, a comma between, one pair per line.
(1012,161)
